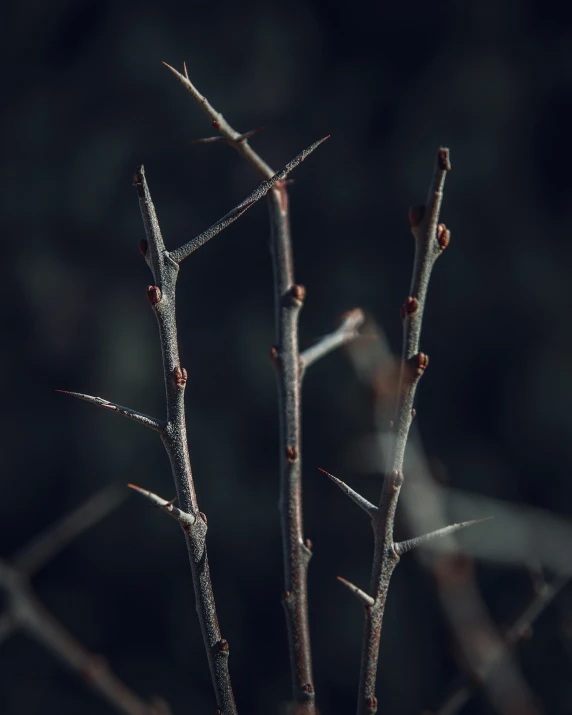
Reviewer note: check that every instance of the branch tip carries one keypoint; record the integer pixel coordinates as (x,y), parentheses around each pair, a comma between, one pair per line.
(139,417)
(364,597)
(443,161)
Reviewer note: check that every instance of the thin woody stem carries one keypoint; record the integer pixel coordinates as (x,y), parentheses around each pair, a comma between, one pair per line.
(174,436)
(430,240)
(288,301)
(27,613)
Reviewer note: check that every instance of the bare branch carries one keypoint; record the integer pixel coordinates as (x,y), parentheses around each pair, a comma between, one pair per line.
(402,547)
(165,269)
(27,613)
(186,520)
(184,251)
(113,407)
(362,502)
(364,597)
(288,301)
(348,330)
(42,549)
(430,240)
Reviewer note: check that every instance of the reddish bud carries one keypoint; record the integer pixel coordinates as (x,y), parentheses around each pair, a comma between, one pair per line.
(308,544)
(143,247)
(223,645)
(203,516)
(154,294)
(422,361)
(409,307)
(308,688)
(396,478)
(286,595)
(298,293)
(416,214)
(443,236)
(216,124)
(274,354)
(180,375)
(372,704)
(291,454)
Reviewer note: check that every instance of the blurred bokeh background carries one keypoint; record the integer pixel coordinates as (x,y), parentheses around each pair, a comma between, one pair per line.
(85,100)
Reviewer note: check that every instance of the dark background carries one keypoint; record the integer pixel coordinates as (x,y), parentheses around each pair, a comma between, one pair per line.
(85,100)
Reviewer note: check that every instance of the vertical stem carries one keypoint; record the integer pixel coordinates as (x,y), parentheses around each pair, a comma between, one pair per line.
(288,301)
(174,436)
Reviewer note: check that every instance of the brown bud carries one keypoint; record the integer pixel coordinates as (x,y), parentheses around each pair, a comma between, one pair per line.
(154,294)
(396,478)
(291,454)
(409,307)
(416,214)
(286,595)
(308,688)
(143,247)
(422,361)
(372,704)
(180,375)
(223,645)
(413,413)
(308,544)
(298,293)
(274,356)
(443,236)
(203,516)
(216,123)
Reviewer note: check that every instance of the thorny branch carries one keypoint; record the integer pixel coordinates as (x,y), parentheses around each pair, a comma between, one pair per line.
(165,268)
(431,238)
(290,365)
(27,614)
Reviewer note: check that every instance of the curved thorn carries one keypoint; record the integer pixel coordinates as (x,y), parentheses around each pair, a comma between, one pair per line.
(182,517)
(125,411)
(402,547)
(362,502)
(364,597)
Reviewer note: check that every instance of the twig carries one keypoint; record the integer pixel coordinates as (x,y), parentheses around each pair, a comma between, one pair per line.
(347,331)
(165,268)
(520,628)
(27,613)
(430,240)
(42,549)
(429,244)
(290,364)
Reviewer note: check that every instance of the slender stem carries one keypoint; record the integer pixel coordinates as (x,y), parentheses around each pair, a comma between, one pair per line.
(288,301)
(348,330)
(28,613)
(430,240)
(174,436)
(30,558)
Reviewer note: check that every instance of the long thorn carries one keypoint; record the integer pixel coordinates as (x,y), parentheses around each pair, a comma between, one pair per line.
(113,407)
(402,547)
(362,502)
